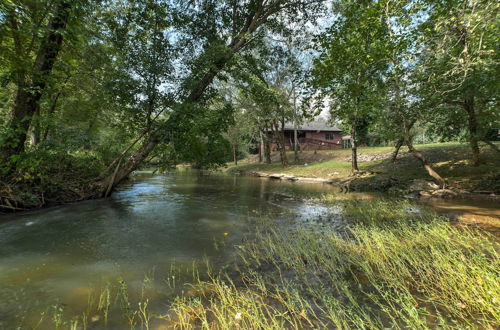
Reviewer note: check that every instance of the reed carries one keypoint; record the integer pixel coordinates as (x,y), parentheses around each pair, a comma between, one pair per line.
(391,267)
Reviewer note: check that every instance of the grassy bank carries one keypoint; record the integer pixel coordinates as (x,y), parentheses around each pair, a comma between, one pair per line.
(389,269)
(450,160)
(392,266)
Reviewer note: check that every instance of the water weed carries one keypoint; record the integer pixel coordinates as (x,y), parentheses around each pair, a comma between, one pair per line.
(393,268)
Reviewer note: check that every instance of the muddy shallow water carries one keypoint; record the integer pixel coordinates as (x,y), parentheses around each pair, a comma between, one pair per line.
(54,257)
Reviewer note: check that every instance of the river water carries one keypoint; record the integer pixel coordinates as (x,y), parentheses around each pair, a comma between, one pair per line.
(56,256)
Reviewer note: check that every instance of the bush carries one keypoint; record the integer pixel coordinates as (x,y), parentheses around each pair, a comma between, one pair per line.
(42,167)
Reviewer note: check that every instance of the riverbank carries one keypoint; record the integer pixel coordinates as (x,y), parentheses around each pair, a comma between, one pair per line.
(51,178)
(379,173)
(44,178)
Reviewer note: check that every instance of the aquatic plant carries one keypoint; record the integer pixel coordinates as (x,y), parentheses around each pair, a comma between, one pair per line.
(394,268)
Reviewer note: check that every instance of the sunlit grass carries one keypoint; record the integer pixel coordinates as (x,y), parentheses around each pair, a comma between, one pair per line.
(391,268)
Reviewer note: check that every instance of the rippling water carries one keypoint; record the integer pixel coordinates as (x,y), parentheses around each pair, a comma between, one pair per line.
(57,255)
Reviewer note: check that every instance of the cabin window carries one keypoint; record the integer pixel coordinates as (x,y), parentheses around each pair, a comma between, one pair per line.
(329,136)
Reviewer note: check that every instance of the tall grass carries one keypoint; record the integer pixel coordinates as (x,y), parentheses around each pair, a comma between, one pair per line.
(394,268)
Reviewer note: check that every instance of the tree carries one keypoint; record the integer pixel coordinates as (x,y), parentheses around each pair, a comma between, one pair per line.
(125,82)
(348,70)
(221,31)
(402,112)
(31,75)
(460,65)
(269,83)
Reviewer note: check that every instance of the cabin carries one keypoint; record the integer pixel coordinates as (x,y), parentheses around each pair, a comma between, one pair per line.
(312,136)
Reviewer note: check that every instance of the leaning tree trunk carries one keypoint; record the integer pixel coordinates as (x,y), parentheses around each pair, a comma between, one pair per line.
(397,147)
(493,146)
(124,168)
(256,17)
(29,95)
(120,172)
(425,163)
(473,134)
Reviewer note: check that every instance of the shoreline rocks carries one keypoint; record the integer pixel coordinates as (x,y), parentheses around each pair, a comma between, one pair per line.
(289,177)
(420,188)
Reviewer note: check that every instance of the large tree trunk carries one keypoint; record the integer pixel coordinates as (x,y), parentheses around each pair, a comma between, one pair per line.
(123,169)
(424,162)
(397,147)
(468,106)
(261,146)
(29,94)
(51,112)
(493,146)
(354,151)
(35,129)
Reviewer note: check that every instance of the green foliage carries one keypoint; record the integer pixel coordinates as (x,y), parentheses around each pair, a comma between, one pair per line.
(354,88)
(200,141)
(130,70)
(460,63)
(40,167)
